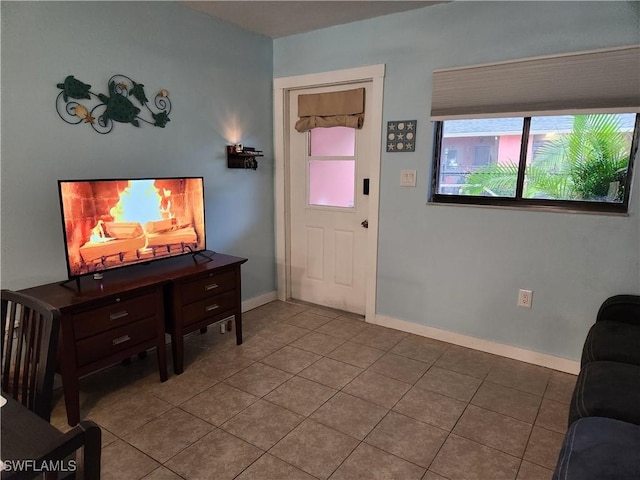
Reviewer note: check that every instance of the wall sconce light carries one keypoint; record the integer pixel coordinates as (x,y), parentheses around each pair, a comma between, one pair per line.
(239,156)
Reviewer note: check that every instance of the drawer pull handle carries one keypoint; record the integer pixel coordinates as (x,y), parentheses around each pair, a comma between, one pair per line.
(119,340)
(117,315)
(213,307)
(211,287)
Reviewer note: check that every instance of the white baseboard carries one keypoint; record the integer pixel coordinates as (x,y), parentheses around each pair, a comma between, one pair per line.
(516,353)
(258,301)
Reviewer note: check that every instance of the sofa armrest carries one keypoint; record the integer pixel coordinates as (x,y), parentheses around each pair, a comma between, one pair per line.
(620,308)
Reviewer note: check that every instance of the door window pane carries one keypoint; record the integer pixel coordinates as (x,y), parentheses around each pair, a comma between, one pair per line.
(579,157)
(480,157)
(333,142)
(332,183)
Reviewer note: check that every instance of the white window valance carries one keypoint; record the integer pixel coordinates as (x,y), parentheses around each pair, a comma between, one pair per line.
(606,80)
(332,109)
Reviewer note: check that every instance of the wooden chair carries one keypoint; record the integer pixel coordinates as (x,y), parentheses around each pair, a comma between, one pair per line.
(85,441)
(30,339)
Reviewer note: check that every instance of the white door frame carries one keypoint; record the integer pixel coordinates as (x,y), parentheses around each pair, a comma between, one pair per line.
(281,88)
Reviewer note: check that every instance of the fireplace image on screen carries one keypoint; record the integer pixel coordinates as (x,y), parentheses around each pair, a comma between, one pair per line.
(113,223)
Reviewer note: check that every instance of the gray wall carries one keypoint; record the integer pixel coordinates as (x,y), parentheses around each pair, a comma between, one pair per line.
(220,82)
(459,268)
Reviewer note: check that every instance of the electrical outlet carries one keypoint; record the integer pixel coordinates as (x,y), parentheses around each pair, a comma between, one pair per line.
(524,298)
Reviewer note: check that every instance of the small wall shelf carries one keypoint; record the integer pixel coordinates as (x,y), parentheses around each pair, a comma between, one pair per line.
(242,157)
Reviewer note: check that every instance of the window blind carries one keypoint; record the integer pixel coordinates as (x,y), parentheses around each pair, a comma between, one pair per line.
(332,109)
(598,81)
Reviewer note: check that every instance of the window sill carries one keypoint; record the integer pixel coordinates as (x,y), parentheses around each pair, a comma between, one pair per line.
(530,208)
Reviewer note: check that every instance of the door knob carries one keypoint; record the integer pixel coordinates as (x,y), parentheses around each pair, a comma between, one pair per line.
(365,223)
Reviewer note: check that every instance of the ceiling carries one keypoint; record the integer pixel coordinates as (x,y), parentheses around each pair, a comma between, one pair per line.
(283,18)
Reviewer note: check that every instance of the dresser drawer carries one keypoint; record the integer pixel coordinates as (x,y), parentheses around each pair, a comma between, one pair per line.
(206,286)
(209,307)
(120,311)
(105,344)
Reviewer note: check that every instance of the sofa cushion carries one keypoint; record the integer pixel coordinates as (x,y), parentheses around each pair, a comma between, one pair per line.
(596,448)
(613,341)
(607,389)
(620,308)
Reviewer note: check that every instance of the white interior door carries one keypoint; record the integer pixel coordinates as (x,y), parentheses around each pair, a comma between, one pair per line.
(328,205)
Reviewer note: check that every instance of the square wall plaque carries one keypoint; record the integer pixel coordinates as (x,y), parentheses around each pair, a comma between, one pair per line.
(401,136)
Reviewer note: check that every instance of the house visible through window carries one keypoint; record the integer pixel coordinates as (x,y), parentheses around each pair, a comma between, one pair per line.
(562,160)
(558,131)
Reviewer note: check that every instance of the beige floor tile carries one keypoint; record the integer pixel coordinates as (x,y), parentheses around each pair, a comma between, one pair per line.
(422,349)
(281,309)
(301,395)
(553,415)
(373,464)
(560,387)
(268,467)
(165,436)
(129,413)
(399,367)
(432,476)
(356,354)
(519,375)
(258,379)
(350,415)
(379,337)
(283,332)
(452,384)
(342,327)
(331,373)
(462,459)
(221,364)
(531,471)
(308,320)
(315,448)
(544,447)
(508,401)
(325,312)
(180,388)
(258,347)
(378,389)
(467,361)
(407,438)
(431,408)
(219,403)
(120,460)
(494,430)
(291,359)
(107,437)
(425,382)
(218,456)
(162,473)
(318,343)
(263,424)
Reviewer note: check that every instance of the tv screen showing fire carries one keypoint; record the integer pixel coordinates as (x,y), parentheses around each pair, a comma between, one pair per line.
(114,223)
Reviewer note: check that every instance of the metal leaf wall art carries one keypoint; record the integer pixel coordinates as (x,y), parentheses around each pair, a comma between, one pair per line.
(125,102)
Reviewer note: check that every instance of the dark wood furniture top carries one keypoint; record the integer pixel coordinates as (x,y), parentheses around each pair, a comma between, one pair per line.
(122,280)
(30,331)
(109,320)
(26,436)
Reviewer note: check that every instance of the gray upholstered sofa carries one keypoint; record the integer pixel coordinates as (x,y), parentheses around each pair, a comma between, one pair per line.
(603,439)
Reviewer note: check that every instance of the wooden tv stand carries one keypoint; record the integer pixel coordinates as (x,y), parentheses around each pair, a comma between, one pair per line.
(129,310)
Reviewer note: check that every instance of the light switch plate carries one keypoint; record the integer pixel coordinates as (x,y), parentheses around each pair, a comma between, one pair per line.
(407,178)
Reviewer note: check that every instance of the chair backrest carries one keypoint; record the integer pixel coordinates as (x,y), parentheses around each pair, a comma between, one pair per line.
(30,339)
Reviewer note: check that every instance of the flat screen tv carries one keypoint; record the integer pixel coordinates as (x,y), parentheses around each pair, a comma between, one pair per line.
(118,222)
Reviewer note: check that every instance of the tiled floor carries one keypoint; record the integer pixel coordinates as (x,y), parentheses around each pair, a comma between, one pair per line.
(312,394)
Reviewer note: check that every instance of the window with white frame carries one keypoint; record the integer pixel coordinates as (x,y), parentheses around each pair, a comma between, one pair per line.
(527,133)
